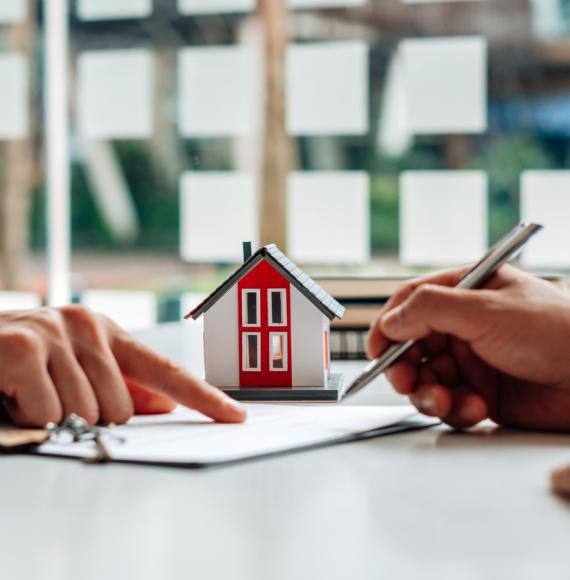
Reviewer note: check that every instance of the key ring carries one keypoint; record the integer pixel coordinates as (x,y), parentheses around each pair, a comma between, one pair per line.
(80,430)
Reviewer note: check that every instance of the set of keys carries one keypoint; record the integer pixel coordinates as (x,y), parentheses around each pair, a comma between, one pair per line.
(75,429)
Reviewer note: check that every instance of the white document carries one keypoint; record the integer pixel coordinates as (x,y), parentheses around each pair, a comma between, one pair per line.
(186,437)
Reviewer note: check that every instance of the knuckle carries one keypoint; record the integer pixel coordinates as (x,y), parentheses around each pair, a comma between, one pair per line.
(51,320)
(170,366)
(80,316)
(109,323)
(425,294)
(76,312)
(401,293)
(21,342)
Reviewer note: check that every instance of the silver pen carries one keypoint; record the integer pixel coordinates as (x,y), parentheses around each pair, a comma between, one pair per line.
(501,253)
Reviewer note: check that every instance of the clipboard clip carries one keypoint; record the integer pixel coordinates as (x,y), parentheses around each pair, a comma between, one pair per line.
(75,429)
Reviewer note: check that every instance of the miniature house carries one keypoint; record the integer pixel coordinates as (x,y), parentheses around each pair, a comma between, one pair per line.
(266,331)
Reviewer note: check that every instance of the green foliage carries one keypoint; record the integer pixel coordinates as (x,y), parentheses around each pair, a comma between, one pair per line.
(384,195)
(504,160)
(88,229)
(157,205)
(384,210)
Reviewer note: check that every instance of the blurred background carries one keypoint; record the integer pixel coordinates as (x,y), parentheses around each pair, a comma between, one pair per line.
(362,136)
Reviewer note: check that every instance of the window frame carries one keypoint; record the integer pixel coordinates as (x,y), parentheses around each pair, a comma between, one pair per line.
(284,345)
(283,293)
(245,352)
(244,313)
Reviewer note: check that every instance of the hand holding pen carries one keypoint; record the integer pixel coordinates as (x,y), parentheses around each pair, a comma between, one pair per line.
(501,353)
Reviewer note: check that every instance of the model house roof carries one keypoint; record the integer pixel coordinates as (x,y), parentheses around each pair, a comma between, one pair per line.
(303,282)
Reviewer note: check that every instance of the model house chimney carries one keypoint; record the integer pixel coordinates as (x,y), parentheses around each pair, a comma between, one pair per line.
(246,251)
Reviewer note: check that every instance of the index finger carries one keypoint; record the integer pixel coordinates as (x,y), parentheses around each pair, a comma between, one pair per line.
(144,366)
(377,342)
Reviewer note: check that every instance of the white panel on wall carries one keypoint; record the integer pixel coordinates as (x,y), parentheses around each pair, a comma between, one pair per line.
(394,137)
(545,199)
(13,96)
(325,3)
(13,11)
(327,88)
(218,91)
(435,1)
(218,211)
(133,310)
(446,84)
(443,217)
(329,217)
(115,94)
(215,6)
(548,20)
(19,301)
(113,9)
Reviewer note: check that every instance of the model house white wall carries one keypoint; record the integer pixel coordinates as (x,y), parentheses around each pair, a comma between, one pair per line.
(307,342)
(221,351)
(221,348)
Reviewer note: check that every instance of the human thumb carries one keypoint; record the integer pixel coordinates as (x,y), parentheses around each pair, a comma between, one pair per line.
(560,480)
(431,308)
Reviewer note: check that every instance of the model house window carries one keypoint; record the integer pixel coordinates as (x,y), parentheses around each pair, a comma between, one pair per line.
(250,307)
(277,351)
(250,351)
(277,306)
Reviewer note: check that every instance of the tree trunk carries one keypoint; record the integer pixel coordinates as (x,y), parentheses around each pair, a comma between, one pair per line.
(277,154)
(18,172)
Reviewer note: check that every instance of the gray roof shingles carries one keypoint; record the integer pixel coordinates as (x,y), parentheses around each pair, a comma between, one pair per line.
(304,283)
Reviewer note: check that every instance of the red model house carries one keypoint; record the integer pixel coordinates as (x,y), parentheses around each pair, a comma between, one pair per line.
(266,332)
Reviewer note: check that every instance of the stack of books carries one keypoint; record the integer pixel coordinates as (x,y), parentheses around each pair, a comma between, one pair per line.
(363,297)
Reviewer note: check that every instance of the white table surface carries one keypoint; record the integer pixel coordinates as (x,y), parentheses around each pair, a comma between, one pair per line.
(428,505)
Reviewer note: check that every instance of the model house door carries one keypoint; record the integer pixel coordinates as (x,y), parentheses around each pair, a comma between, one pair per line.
(264,328)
